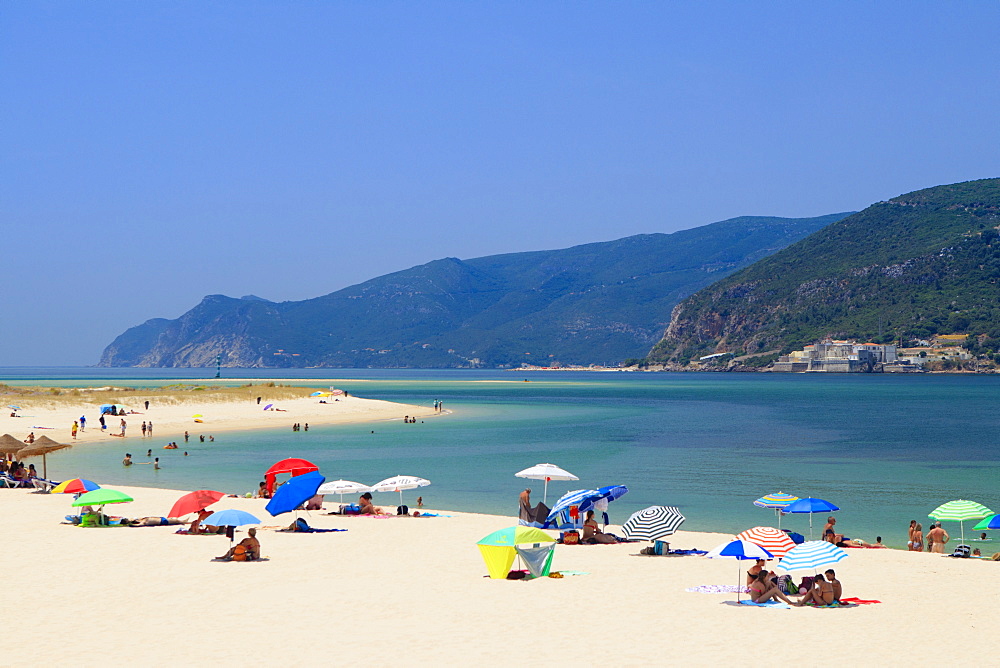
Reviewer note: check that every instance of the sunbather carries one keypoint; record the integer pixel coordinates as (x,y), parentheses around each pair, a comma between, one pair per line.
(247,549)
(367,508)
(592,532)
(821,593)
(197,526)
(762,591)
(756,570)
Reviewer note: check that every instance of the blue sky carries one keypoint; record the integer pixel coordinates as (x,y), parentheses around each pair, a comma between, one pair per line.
(158,152)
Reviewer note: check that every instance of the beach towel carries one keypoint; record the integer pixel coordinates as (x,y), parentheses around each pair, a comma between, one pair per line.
(687,552)
(769,604)
(859,601)
(719,589)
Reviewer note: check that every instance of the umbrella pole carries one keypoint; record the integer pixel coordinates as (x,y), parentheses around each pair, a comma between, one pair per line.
(810,526)
(738,569)
(545,492)
(45,468)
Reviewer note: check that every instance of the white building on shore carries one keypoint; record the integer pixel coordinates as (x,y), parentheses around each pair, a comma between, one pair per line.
(838,357)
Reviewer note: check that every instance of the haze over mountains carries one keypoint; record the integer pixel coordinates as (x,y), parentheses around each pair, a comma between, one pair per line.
(597,303)
(922,263)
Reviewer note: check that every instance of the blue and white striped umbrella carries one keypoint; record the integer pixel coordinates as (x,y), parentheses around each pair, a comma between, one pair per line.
(652,523)
(582,498)
(811,556)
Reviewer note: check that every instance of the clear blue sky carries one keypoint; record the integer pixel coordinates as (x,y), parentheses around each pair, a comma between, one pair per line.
(156,152)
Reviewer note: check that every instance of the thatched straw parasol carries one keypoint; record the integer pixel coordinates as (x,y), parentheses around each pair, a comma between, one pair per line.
(10,445)
(42,446)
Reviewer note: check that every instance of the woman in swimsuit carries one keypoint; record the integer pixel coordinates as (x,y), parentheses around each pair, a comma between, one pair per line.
(917,538)
(762,591)
(821,593)
(592,533)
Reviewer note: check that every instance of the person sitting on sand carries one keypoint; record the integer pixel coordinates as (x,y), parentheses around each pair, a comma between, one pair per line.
(367,508)
(762,591)
(262,492)
(755,570)
(838,590)
(197,527)
(592,532)
(821,593)
(247,549)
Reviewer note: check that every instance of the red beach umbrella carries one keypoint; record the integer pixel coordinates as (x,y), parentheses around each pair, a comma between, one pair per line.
(292,465)
(773,540)
(194,501)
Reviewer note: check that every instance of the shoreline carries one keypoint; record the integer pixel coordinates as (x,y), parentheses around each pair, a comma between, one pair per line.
(423,579)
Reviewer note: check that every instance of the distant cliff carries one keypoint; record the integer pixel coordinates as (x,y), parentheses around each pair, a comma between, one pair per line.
(593,304)
(918,264)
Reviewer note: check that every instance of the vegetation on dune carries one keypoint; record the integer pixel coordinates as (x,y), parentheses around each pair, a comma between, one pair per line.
(33,397)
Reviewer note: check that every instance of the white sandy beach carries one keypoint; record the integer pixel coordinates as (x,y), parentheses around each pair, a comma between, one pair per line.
(412,591)
(171,420)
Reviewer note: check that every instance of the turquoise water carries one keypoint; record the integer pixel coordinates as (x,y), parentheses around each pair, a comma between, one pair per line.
(885,448)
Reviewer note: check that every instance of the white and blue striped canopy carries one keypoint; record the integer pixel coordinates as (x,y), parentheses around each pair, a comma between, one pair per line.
(652,523)
(582,498)
(811,556)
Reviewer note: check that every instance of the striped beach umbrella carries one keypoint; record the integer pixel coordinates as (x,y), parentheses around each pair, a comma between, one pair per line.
(773,540)
(652,523)
(777,502)
(75,486)
(991,522)
(583,499)
(960,510)
(811,556)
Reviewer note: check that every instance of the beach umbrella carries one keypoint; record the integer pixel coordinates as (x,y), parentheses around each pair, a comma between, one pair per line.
(230,518)
(268,407)
(293,466)
(192,502)
(582,498)
(777,502)
(810,505)
(811,555)
(991,522)
(740,550)
(545,472)
(75,486)
(10,445)
(399,483)
(773,540)
(500,548)
(42,446)
(14,408)
(652,523)
(613,492)
(294,493)
(100,497)
(343,487)
(197,415)
(960,510)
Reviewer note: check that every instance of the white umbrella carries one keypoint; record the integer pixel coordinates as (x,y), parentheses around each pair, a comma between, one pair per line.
(399,483)
(545,472)
(343,487)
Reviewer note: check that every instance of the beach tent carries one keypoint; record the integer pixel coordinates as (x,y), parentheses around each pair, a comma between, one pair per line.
(501,547)
(108,408)
(292,465)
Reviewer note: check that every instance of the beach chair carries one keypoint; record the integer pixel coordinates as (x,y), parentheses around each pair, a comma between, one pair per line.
(43,485)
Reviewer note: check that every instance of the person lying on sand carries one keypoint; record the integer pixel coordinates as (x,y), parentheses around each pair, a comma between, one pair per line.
(762,591)
(247,549)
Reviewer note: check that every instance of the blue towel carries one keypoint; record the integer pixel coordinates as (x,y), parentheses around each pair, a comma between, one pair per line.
(769,604)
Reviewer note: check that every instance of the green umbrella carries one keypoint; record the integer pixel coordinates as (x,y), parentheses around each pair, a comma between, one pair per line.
(959,511)
(991,522)
(99,497)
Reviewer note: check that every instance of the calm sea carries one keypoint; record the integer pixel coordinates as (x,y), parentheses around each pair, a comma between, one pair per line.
(885,448)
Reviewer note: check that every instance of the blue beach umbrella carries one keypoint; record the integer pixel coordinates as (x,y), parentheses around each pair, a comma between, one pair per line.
(294,493)
(810,505)
(612,492)
(740,550)
(811,555)
(991,522)
(582,498)
(230,518)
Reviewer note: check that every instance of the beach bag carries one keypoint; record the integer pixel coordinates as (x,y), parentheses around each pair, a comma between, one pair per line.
(571,538)
(240,553)
(661,548)
(963,551)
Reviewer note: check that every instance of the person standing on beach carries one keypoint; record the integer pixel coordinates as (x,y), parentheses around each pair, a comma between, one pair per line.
(75,427)
(147,405)
(123,425)
(83,422)
(936,538)
(524,500)
(258,401)
(143,429)
(917,538)
(103,424)
(149,429)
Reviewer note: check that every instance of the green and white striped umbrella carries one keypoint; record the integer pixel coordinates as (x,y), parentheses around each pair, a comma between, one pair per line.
(960,510)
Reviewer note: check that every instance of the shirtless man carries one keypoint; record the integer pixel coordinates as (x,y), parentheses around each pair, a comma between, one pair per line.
(524,499)
(250,544)
(838,590)
(936,538)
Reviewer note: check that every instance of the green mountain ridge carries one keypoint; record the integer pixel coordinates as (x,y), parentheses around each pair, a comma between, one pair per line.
(597,303)
(922,263)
